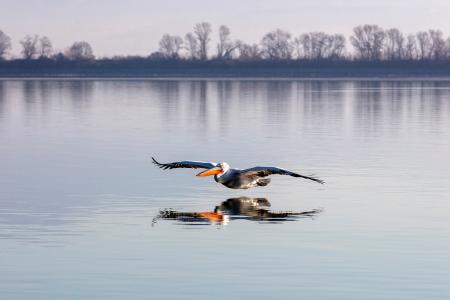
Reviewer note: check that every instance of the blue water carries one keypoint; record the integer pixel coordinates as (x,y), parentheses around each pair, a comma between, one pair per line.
(80,200)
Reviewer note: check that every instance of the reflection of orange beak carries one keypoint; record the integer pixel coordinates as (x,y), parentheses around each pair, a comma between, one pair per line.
(211,216)
(212,171)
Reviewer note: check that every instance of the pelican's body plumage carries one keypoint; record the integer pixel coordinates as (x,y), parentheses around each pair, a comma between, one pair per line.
(238,179)
(234,178)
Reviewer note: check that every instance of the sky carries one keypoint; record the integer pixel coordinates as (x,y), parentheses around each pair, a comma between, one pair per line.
(134,27)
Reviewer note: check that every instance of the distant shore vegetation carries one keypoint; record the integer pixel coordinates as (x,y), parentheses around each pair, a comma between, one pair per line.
(369,47)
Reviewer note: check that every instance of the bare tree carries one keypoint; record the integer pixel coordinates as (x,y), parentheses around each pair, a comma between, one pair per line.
(192,46)
(423,45)
(170,46)
(247,51)
(394,44)
(277,45)
(319,45)
(5,44)
(297,48)
(203,33)
(368,41)
(302,45)
(225,47)
(437,44)
(411,47)
(30,46)
(309,45)
(447,47)
(337,46)
(80,51)
(45,47)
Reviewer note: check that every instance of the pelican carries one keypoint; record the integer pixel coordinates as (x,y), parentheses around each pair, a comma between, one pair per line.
(233,178)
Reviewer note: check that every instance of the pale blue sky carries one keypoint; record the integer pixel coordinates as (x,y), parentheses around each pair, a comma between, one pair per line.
(135,26)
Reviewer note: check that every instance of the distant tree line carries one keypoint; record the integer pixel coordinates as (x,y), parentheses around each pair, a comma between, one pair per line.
(40,47)
(368,43)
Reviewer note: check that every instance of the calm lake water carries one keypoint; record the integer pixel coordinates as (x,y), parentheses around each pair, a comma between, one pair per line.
(80,200)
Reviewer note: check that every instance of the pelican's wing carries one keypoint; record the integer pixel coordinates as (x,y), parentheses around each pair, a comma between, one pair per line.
(185,164)
(266,171)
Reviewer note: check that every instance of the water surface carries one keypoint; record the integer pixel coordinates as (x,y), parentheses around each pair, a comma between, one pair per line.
(79,196)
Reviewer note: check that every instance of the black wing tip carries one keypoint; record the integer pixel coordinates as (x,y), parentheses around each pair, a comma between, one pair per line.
(155,161)
(311,177)
(158,164)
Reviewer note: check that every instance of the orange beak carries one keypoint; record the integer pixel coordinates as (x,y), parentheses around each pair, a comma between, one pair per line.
(212,171)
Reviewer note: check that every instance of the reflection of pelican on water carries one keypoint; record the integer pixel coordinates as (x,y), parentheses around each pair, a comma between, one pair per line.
(234,178)
(255,209)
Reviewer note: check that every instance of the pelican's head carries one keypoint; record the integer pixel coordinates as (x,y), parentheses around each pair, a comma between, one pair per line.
(220,169)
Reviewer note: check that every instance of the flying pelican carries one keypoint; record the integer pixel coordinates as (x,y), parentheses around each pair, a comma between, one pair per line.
(233,178)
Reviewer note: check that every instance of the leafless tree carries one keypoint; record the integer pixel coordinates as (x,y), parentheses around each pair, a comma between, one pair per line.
(394,44)
(277,45)
(30,46)
(203,33)
(80,51)
(45,47)
(319,45)
(337,46)
(225,47)
(170,46)
(307,45)
(423,45)
(5,44)
(411,47)
(297,48)
(192,46)
(368,41)
(437,44)
(302,45)
(447,47)
(247,51)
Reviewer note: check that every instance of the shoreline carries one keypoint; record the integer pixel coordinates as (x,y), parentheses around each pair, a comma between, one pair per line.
(251,70)
(226,78)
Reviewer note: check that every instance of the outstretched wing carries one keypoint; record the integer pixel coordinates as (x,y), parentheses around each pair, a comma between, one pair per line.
(185,164)
(266,171)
